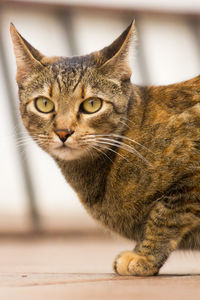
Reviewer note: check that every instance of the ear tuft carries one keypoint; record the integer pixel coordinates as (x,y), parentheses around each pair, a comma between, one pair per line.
(28,59)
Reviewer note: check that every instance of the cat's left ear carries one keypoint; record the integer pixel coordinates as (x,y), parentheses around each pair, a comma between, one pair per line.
(28,59)
(113,60)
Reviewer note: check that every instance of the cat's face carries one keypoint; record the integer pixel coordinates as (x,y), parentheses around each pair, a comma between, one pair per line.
(71,105)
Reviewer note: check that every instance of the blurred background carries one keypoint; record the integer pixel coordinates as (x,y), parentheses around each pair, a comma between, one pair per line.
(33,193)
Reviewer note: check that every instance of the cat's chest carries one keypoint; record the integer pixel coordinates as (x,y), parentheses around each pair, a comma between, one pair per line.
(120,212)
(111,196)
(117,219)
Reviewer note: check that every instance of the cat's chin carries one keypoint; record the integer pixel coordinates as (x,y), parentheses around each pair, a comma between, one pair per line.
(66,153)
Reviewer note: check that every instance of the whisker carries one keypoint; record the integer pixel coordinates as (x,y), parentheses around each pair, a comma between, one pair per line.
(27,140)
(112,150)
(125,146)
(22,138)
(43,135)
(121,145)
(97,149)
(22,141)
(121,137)
(22,147)
(125,124)
(125,118)
(20,144)
(91,153)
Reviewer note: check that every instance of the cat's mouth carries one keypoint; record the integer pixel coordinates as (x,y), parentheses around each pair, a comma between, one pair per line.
(66,152)
(65,147)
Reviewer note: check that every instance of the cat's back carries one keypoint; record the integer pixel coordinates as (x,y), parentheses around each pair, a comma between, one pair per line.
(172,109)
(175,98)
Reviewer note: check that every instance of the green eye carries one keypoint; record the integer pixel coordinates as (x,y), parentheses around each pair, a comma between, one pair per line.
(91,105)
(44,105)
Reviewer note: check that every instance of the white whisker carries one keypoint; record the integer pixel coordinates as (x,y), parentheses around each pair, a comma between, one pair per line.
(125,124)
(97,149)
(125,147)
(119,136)
(125,118)
(110,149)
(117,143)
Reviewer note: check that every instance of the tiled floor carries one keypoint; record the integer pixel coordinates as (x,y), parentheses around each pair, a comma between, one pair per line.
(80,268)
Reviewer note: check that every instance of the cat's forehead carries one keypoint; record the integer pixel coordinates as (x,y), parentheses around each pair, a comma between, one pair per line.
(70,72)
(71,67)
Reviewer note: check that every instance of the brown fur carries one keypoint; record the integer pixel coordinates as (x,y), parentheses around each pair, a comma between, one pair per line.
(147,189)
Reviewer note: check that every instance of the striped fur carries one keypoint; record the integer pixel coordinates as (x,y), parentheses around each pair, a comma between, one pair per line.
(135,164)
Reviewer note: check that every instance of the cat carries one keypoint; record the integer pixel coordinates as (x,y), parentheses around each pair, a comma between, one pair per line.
(131,153)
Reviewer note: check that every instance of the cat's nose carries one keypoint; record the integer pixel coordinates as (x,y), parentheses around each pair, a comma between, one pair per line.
(63,134)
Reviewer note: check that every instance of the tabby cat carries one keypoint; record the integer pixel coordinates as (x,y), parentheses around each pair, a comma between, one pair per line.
(131,153)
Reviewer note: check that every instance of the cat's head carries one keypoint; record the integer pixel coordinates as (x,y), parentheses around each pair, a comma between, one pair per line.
(71,105)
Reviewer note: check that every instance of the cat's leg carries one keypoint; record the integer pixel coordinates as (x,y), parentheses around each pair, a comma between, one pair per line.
(165,228)
(191,241)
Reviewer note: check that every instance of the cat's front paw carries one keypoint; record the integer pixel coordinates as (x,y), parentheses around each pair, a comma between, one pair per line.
(130,263)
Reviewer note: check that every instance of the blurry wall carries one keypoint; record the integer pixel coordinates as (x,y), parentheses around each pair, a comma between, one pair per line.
(167,51)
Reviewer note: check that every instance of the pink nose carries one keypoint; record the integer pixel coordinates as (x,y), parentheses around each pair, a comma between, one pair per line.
(63,134)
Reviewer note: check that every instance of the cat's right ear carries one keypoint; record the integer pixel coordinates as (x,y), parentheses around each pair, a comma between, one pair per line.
(28,59)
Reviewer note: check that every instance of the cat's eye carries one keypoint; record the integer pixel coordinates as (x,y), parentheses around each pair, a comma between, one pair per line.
(44,105)
(91,105)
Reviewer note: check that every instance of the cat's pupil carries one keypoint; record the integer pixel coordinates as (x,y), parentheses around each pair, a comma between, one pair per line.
(92,102)
(45,102)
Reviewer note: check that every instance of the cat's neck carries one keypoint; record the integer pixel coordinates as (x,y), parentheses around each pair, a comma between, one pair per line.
(87,177)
